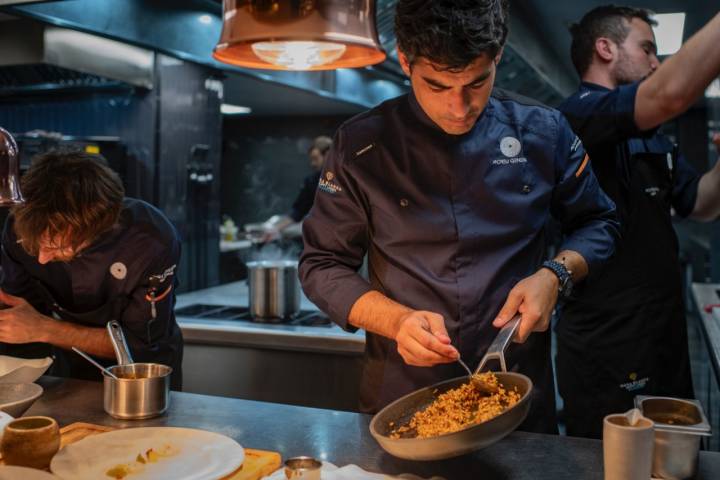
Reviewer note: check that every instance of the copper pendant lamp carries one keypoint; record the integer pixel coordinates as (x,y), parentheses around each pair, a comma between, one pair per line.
(299,34)
(9,171)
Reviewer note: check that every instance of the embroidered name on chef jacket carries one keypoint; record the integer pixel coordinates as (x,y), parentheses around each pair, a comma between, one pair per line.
(511,148)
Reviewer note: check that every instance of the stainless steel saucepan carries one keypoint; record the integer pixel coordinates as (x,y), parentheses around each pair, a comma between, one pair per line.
(274,289)
(141,390)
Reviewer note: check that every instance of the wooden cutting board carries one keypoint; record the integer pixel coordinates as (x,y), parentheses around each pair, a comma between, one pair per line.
(256,465)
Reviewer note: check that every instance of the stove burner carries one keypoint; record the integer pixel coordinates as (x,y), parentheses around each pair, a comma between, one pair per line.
(305,318)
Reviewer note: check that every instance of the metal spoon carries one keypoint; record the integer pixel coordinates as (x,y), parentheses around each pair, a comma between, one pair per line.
(91,360)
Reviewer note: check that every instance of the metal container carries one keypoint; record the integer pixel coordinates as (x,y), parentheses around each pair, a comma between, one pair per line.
(679,424)
(142,390)
(274,289)
(471,438)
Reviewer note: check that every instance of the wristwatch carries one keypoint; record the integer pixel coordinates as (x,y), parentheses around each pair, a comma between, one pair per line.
(563,274)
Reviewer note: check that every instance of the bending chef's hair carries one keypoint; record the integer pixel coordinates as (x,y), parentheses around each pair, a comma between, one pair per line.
(70,195)
(609,21)
(451,33)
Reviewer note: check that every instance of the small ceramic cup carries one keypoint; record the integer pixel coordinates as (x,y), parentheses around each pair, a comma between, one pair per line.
(302,468)
(30,442)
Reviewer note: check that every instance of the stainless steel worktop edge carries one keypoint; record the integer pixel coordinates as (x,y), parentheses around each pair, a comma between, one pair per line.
(705,294)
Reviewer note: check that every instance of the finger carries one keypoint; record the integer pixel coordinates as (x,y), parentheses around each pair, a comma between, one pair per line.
(509,309)
(10,299)
(416,354)
(430,342)
(437,326)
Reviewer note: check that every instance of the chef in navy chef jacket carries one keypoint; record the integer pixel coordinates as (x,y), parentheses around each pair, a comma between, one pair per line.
(448,190)
(62,288)
(623,332)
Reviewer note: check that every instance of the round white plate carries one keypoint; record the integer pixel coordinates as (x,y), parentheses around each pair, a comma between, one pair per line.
(198,454)
(24,473)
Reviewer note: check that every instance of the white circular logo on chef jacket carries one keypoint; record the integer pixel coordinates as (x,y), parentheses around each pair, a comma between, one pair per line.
(510,146)
(118,270)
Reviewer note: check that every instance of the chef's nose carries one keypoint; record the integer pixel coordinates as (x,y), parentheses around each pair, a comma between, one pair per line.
(459,104)
(45,256)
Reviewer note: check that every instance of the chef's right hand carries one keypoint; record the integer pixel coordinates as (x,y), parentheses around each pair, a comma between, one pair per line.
(423,341)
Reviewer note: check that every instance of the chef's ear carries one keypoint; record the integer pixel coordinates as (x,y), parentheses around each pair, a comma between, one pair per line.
(405,63)
(498,57)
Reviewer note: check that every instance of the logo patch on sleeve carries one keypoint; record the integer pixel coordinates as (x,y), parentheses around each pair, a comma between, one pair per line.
(326,183)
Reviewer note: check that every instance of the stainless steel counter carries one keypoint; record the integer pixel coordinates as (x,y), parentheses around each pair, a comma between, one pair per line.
(331,339)
(300,365)
(343,437)
(708,294)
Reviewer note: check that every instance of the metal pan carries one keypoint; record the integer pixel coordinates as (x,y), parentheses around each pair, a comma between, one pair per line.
(451,444)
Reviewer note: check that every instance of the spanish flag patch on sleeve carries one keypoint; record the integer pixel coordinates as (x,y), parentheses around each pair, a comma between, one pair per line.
(582,165)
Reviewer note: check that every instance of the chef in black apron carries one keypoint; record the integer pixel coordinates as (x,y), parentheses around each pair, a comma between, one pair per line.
(127,274)
(623,332)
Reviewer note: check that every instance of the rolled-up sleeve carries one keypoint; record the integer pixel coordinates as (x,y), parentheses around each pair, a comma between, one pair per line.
(335,235)
(586,213)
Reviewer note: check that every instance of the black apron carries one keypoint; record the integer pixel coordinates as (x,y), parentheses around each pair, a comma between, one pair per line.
(628,332)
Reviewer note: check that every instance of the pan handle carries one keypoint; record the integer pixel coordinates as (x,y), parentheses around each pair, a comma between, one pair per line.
(496,351)
(117,338)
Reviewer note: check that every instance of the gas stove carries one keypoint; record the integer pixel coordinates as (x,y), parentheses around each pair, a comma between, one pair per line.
(304,318)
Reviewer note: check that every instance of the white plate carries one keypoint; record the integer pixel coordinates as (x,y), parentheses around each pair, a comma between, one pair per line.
(22,370)
(198,455)
(14,473)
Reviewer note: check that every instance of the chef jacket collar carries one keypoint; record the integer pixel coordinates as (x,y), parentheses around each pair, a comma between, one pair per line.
(418,111)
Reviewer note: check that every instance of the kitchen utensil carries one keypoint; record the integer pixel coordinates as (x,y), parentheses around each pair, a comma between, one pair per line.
(496,351)
(122,352)
(16,398)
(139,390)
(302,468)
(679,424)
(22,370)
(30,442)
(186,454)
(627,446)
(274,289)
(451,444)
(87,357)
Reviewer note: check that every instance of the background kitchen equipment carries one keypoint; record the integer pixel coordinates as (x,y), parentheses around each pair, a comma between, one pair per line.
(141,390)
(679,424)
(274,289)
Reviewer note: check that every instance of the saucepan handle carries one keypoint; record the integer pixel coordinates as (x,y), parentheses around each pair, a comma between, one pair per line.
(496,351)
(122,352)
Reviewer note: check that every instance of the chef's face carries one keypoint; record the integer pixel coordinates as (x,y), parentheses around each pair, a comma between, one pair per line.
(453,99)
(56,249)
(317,159)
(637,55)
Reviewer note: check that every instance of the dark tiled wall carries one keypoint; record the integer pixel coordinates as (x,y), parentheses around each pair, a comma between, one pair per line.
(265,161)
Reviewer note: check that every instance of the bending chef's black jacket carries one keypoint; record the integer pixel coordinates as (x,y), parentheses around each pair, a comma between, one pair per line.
(450,225)
(111,279)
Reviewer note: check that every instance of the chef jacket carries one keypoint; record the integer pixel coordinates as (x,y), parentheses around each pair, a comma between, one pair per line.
(647,178)
(304,201)
(450,224)
(114,278)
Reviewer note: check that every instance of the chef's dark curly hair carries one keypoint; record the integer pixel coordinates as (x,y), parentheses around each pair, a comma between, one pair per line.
(70,195)
(610,21)
(451,33)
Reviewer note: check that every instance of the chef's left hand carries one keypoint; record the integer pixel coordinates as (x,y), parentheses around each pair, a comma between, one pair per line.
(20,323)
(534,298)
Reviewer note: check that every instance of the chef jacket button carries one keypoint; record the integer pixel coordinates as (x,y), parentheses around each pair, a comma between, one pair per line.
(404,202)
(526,189)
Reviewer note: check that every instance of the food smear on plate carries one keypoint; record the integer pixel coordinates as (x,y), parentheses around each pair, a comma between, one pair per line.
(458,408)
(151,455)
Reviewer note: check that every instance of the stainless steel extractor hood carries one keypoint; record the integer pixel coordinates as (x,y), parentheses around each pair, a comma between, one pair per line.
(35,56)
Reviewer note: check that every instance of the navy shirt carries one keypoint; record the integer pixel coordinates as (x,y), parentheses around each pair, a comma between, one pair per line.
(108,280)
(304,200)
(450,223)
(647,178)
